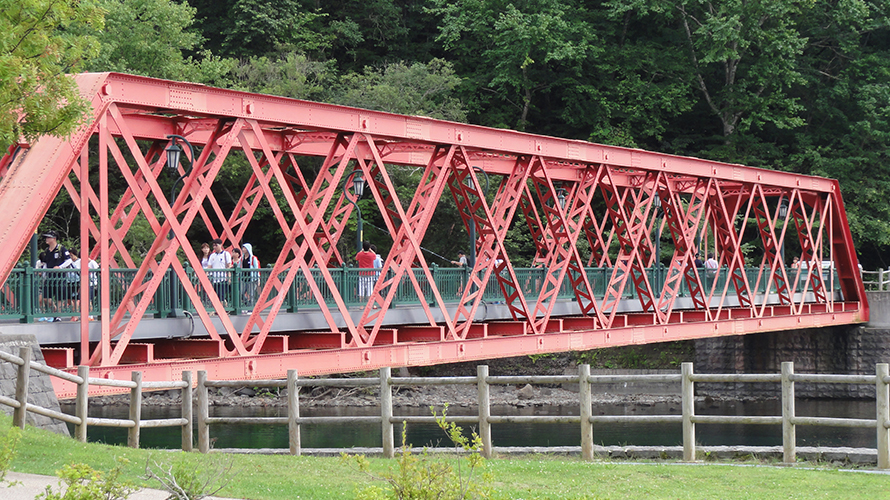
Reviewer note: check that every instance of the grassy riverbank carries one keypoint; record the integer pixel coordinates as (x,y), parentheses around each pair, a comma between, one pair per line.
(543,477)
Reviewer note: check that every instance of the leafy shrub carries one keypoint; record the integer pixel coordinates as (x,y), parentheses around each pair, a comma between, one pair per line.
(421,476)
(85,483)
(7,450)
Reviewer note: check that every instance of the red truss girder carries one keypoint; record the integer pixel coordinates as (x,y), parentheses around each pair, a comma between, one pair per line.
(611,195)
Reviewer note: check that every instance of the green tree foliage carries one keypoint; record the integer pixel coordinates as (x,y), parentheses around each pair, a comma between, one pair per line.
(38,46)
(847,98)
(242,28)
(514,53)
(289,75)
(416,89)
(152,38)
(742,58)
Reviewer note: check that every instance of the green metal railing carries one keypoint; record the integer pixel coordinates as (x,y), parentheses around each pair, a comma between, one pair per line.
(34,294)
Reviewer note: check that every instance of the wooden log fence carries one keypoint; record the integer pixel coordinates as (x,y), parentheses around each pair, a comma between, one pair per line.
(876,280)
(687,379)
(81,419)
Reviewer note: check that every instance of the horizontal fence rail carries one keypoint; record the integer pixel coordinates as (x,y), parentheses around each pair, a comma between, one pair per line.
(876,280)
(686,379)
(21,296)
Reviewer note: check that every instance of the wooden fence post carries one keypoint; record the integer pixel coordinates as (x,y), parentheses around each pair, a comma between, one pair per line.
(293,413)
(789,432)
(483,394)
(20,414)
(135,410)
(82,403)
(688,406)
(187,397)
(203,413)
(882,402)
(585,400)
(386,413)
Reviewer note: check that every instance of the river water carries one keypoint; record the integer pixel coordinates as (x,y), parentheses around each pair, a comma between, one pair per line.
(642,434)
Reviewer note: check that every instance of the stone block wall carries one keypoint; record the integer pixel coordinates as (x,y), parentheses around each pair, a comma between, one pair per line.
(40,389)
(832,350)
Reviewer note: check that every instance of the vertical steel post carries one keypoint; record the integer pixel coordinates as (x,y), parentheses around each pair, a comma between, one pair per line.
(688,405)
(187,399)
(386,413)
(29,295)
(82,403)
(882,402)
(19,415)
(293,413)
(789,433)
(135,410)
(203,413)
(585,400)
(236,291)
(483,395)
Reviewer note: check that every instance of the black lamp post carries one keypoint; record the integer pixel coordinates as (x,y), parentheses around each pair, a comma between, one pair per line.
(783,213)
(469,181)
(358,186)
(656,203)
(174,151)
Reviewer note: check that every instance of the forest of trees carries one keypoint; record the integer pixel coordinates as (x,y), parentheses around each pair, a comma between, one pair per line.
(793,85)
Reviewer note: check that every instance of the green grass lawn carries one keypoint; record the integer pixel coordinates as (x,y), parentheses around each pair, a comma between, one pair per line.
(287,477)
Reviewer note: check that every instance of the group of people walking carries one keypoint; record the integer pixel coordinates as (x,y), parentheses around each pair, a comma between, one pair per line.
(240,257)
(62,289)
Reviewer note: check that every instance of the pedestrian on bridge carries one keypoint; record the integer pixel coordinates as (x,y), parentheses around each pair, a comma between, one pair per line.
(74,279)
(219,259)
(55,286)
(366,280)
(250,261)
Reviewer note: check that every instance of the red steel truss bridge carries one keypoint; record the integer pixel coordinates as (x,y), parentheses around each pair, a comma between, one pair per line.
(303,156)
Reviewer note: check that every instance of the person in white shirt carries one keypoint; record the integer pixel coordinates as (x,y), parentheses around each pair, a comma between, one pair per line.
(74,278)
(219,259)
(711,267)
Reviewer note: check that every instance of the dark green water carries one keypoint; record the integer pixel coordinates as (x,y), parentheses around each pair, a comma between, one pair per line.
(369,435)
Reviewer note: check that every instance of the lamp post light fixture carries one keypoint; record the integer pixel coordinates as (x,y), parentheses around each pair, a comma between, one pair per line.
(174,152)
(469,182)
(656,204)
(783,214)
(358,187)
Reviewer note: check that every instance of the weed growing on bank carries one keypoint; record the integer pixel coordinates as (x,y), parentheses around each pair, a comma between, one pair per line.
(421,476)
